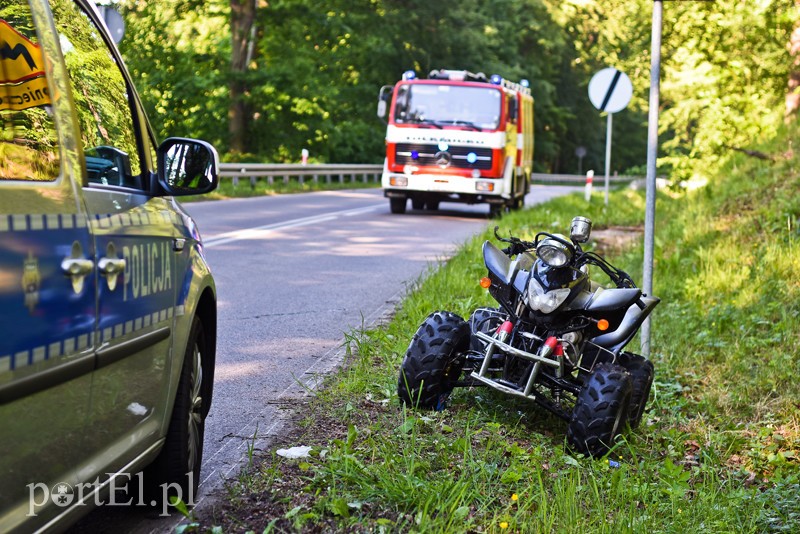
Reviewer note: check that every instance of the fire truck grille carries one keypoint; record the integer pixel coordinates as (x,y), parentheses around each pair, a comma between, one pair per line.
(421,154)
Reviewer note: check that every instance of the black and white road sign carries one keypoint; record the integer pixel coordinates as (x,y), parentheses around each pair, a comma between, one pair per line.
(610,90)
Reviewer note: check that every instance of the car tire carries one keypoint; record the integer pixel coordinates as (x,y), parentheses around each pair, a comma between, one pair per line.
(433,361)
(176,470)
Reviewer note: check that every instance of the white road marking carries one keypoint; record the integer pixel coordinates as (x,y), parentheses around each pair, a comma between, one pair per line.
(261,232)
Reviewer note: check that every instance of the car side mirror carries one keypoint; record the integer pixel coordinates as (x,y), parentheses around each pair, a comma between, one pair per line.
(512,109)
(384,97)
(187,166)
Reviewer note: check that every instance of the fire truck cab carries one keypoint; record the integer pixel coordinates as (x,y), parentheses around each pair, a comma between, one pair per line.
(457,137)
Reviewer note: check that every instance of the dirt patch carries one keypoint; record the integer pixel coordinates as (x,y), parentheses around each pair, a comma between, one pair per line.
(278,487)
(616,238)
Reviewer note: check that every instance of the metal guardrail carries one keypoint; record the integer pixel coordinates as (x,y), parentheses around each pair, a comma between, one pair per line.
(543,178)
(316,172)
(344,172)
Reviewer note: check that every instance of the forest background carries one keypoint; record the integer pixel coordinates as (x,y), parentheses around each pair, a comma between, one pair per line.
(264,79)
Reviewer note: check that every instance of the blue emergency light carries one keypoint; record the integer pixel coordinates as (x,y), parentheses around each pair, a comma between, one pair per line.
(409,75)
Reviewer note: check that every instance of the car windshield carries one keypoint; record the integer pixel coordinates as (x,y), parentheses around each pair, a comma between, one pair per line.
(449,105)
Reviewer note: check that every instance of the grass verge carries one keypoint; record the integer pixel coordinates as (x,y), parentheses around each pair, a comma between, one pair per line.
(719,445)
(244,189)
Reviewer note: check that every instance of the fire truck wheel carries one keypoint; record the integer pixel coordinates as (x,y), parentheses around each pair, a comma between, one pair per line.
(495,210)
(432,205)
(417,203)
(434,360)
(397,205)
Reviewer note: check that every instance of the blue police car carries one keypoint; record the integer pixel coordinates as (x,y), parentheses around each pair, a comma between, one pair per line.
(107,305)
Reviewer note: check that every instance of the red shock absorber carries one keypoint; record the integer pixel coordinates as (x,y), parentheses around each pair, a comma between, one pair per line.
(504,330)
(551,344)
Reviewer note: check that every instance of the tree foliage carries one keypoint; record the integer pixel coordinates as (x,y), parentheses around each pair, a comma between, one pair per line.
(314,67)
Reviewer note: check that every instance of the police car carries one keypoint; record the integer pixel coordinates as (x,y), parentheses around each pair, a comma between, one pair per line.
(107,306)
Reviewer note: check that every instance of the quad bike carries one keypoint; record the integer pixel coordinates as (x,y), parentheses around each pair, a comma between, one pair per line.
(556,339)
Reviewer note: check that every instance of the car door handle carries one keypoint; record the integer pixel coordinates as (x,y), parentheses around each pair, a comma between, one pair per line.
(111,267)
(77,267)
(108,266)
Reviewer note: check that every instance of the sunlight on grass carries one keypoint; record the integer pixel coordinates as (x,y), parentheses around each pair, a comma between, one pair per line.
(719,446)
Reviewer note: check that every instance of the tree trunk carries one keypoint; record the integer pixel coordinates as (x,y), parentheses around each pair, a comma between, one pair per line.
(793,89)
(243,14)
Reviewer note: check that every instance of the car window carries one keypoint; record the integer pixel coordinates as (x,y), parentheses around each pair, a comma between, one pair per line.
(101,98)
(28,142)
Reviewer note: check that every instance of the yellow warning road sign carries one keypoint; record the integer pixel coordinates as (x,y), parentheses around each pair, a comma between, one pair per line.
(22,80)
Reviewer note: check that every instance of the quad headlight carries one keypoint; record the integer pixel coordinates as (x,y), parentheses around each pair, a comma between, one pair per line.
(545,301)
(554,253)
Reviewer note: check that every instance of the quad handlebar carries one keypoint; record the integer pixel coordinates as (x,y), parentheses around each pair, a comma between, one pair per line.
(579,258)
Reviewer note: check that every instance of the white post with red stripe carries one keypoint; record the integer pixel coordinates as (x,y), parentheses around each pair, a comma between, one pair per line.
(587,194)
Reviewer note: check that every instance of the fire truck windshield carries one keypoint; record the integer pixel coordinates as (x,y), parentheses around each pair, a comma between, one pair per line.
(442,105)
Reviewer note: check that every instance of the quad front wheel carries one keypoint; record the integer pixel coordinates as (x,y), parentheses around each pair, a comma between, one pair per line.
(601,410)
(433,361)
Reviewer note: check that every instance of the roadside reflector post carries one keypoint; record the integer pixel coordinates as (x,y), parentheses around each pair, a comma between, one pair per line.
(588,191)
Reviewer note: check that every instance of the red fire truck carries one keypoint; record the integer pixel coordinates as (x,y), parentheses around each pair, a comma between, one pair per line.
(457,137)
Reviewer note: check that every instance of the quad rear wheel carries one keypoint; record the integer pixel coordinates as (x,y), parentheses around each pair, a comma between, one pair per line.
(641,371)
(433,361)
(484,320)
(601,410)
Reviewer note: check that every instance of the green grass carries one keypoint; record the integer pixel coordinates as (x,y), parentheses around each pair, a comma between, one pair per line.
(719,446)
(262,187)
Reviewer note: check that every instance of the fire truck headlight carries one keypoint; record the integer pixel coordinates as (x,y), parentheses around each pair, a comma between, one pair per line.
(476,173)
(484,186)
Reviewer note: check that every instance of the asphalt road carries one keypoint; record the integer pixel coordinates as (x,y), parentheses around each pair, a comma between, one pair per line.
(294,274)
